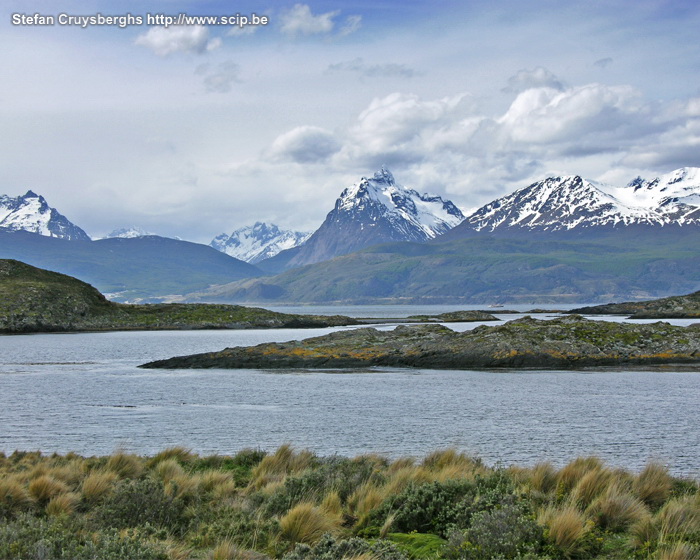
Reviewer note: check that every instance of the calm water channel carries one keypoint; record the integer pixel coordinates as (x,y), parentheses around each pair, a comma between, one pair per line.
(84,393)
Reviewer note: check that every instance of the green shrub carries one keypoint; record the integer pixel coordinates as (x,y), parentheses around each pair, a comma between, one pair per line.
(506,532)
(32,538)
(439,507)
(336,474)
(139,502)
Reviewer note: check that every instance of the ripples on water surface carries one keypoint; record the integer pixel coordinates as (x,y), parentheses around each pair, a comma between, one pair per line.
(83,393)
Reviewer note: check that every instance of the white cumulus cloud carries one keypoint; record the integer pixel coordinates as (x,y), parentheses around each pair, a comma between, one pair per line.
(305,144)
(178,38)
(300,20)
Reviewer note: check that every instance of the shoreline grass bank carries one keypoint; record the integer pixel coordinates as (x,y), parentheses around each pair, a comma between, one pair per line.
(296,505)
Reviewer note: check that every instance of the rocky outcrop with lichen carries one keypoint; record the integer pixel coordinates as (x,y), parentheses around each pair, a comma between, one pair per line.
(675,307)
(567,342)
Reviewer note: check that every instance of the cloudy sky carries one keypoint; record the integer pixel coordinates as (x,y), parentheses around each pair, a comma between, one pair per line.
(191,131)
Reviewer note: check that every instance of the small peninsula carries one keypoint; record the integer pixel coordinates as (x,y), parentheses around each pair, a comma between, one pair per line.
(566,342)
(34,300)
(674,307)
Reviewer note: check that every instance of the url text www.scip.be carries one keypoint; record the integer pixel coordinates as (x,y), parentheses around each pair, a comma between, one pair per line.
(126,20)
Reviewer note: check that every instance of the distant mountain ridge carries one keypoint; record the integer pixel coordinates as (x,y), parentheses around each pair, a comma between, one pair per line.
(573,203)
(128,233)
(377,210)
(258,242)
(32,213)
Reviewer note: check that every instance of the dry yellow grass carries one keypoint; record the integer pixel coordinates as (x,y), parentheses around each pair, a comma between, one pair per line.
(566,528)
(332,504)
(399,479)
(653,485)
(211,480)
(277,466)
(591,485)
(63,504)
(97,485)
(364,499)
(45,487)
(306,523)
(616,509)
(543,478)
(225,550)
(167,469)
(13,494)
(569,476)
(678,551)
(643,533)
(180,454)
(183,486)
(678,518)
(124,465)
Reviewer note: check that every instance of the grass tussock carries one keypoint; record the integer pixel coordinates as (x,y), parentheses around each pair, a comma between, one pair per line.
(291,505)
(63,504)
(572,473)
(678,551)
(567,527)
(44,488)
(591,485)
(125,465)
(653,485)
(275,467)
(616,509)
(679,518)
(97,485)
(306,523)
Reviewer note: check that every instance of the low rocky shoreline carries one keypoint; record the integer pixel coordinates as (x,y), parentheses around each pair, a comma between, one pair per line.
(566,342)
(675,307)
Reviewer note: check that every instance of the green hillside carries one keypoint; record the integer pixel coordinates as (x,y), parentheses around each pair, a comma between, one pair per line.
(139,268)
(36,300)
(484,268)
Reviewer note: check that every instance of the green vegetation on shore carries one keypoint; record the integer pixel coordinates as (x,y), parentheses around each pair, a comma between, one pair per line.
(37,300)
(298,506)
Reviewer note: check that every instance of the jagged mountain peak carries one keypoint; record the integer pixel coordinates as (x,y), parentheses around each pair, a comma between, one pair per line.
(377,210)
(572,202)
(32,213)
(258,242)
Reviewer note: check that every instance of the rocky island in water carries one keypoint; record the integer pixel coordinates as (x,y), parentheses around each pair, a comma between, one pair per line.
(566,342)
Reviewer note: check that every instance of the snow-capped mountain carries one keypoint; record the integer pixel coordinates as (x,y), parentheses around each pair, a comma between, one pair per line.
(32,213)
(128,233)
(258,242)
(377,210)
(572,203)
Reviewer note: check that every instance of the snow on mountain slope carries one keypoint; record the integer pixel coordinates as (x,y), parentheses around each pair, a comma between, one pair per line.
(32,213)
(128,233)
(258,242)
(566,203)
(377,210)
(419,216)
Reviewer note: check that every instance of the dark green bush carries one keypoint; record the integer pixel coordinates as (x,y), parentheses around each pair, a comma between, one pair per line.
(440,507)
(505,532)
(141,502)
(31,538)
